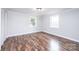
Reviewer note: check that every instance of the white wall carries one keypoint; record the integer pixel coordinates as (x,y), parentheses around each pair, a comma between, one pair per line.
(69,24)
(18,24)
(0,28)
(3,25)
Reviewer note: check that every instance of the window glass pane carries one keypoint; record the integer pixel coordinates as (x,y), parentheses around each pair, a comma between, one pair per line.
(33,21)
(54,21)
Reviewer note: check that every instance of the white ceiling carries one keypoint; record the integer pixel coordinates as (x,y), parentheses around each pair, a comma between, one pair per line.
(32,11)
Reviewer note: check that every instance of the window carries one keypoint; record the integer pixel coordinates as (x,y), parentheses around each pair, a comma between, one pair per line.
(54,21)
(33,21)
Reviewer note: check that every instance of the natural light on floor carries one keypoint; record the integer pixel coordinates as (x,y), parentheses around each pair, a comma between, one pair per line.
(54,45)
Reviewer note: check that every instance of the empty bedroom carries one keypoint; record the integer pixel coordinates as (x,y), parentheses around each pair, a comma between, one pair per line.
(39,29)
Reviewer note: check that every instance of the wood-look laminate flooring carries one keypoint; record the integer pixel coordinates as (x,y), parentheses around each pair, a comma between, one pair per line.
(39,41)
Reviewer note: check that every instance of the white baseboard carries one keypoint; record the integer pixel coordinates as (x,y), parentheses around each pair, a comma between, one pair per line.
(64,37)
(20,34)
(49,33)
